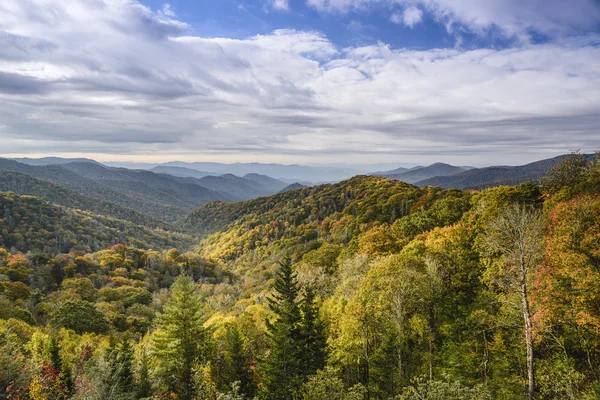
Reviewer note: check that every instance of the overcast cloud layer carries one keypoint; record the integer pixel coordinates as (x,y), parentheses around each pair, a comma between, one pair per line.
(114,77)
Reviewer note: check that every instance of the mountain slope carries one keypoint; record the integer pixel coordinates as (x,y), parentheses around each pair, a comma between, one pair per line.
(495,176)
(149,185)
(291,187)
(32,224)
(180,171)
(52,160)
(234,187)
(271,185)
(23,184)
(63,176)
(278,171)
(419,174)
(364,199)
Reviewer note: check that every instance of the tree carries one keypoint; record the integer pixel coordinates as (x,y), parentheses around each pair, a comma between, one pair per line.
(282,366)
(517,237)
(180,339)
(325,385)
(144,386)
(314,337)
(80,316)
(569,172)
(117,374)
(238,363)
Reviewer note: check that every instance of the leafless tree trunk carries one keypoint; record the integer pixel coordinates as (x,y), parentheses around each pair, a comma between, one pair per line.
(517,235)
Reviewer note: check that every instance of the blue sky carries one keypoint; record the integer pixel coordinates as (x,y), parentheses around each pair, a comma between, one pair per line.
(243,18)
(468,82)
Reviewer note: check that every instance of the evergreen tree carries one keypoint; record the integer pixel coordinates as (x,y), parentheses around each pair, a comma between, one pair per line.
(238,363)
(117,380)
(282,368)
(125,371)
(179,342)
(314,336)
(144,386)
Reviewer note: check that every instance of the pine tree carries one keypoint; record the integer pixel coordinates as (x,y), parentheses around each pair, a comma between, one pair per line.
(117,380)
(314,336)
(144,387)
(238,363)
(125,371)
(283,364)
(179,342)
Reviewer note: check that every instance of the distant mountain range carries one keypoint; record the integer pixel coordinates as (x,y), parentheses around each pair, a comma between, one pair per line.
(167,193)
(479,178)
(165,196)
(420,173)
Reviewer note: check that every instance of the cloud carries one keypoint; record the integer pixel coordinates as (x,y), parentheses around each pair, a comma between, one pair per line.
(409,17)
(166,10)
(281,5)
(135,81)
(512,17)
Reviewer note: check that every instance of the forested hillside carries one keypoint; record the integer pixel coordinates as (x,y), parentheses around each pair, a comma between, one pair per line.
(161,196)
(367,289)
(29,224)
(24,184)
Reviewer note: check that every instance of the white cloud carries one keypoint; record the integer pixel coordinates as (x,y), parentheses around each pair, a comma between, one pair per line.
(513,17)
(135,81)
(166,10)
(282,5)
(410,17)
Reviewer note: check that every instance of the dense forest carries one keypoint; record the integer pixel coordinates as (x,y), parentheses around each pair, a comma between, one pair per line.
(371,288)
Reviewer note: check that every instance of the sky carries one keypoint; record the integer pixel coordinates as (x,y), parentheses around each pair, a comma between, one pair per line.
(467,82)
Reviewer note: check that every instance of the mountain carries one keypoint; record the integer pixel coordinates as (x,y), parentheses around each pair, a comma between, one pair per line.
(32,224)
(390,172)
(365,197)
(23,184)
(159,195)
(495,176)
(165,196)
(270,184)
(234,187)
(278,171)
(421,173)
(291,187)
(180,171)
(52,160)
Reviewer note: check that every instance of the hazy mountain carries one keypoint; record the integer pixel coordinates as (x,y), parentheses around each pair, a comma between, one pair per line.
(418,174)
(23,184)
(291,187)
(390,172)
(147,184)
(495,176)
(234,187)
(278,171)
(51,160)
(270,184)
(117,186)
(180,171)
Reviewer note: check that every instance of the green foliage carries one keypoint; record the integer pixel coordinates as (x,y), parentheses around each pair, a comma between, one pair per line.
(30,224)
(400,293)
(568,173)
(80,316)
(282,367)
(424,389)
(325,385)
(179,343)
